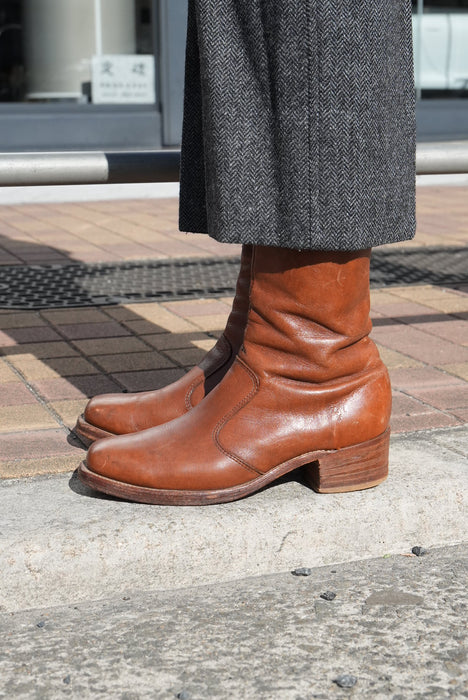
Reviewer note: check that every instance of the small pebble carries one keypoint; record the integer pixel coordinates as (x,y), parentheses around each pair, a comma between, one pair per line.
(345,681)
(126,597)
(67,680)
(302,571)
(419,551)
(41,624)
(328,595)
(183,695)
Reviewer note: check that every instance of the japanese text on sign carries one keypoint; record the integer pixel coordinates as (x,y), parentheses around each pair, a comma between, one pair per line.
(123,79)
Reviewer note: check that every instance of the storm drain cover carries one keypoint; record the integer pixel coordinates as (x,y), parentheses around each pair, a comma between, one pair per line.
(76,284)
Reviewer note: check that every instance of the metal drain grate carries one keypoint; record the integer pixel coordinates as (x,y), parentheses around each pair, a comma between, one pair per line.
(63,286)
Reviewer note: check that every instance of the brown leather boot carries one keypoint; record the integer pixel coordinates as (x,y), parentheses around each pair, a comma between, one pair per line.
(118,414)
(307,389)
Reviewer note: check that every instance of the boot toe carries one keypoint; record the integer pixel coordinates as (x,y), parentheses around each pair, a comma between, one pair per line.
(105,412)
(95,411)
(117,458)
(97,458)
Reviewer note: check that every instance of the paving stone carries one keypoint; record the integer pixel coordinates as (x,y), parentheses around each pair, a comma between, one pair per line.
(394,360)
(72,316)
(196,307)
(187,357)
(401,309)
(141,327)
(44,258)
(69,410)
(131,251)
(119,313)
(21,319)
(423,421)
(6,340)
(426,377)
(383,296)
(179,249)
(24,417)
(6,374)
(33,369)
(21,468)
(209,245)
(448,327)
(422,346)
(211,323)
(445,398)
(34,444)
(205,345)
(461,414)
(78,331)
(459,370)
(97,256)
(37,334)
(452,305)
(71,366)
(404,405)
(75,387)
(15,394)
(148,380)
(104,346)
(42,350)
(133,361)
(7,259)
(161,317)
(173,341)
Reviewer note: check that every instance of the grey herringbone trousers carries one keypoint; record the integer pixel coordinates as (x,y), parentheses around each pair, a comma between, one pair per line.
(299,124)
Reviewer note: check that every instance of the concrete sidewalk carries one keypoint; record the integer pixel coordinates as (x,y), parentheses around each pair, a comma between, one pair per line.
(395,629)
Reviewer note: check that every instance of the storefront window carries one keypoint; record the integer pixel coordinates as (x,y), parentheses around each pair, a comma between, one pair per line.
(78,51)
(440,29)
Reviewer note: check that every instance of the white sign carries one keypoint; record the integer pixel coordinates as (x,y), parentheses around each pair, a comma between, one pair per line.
(123,80)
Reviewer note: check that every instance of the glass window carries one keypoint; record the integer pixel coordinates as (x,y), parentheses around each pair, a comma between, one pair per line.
(440,29)
(79,51)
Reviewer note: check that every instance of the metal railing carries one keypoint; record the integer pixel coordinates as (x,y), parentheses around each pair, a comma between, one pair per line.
(94,168)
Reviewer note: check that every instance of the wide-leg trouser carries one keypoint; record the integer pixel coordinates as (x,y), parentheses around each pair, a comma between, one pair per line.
(299,123)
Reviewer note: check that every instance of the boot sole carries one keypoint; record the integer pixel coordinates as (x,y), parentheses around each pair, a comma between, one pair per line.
(352,468)
(89,433)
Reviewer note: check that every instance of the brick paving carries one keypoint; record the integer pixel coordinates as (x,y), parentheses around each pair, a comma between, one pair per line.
(51,361)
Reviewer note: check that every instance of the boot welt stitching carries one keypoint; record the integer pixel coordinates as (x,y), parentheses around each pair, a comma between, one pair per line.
(188,396)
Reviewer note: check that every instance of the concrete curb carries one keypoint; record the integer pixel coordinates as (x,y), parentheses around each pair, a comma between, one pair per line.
(60,543)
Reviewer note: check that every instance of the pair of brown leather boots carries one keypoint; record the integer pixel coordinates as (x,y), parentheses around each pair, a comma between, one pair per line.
(293,382)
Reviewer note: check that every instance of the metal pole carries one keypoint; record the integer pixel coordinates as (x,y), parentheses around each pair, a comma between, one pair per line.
(88,168)
(419,52)
(94,168)
(443,158)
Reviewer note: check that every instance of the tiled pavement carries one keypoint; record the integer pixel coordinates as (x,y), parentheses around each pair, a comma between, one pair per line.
(51,361)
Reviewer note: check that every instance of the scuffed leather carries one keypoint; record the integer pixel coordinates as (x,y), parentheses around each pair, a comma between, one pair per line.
(306,378)
(129,413)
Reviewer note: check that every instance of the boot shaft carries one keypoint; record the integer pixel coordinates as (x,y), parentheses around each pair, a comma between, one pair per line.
(309,314)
